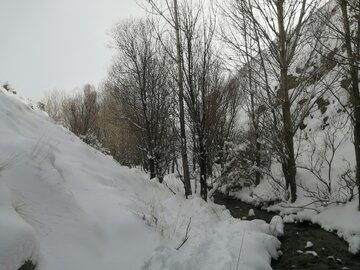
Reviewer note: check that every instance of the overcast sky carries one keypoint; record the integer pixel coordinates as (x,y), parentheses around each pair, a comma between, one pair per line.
(57,44)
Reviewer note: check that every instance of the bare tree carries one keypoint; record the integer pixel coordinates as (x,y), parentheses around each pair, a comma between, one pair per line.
(116,133)
(53,102)
(169,11)
(274,34)
(140,81)
(80,111)
(203,82)
(321,158)
(226,103)
(351,35)
(341,24)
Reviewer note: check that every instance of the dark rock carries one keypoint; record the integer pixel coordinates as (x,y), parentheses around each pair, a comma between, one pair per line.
(28,265)
(322,104)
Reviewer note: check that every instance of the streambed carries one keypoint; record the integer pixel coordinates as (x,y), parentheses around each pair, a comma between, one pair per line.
(332,252)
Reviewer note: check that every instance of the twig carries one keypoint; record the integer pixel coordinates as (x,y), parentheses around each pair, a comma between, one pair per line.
(242,242)
(186,237)
(303,207)
(173,192)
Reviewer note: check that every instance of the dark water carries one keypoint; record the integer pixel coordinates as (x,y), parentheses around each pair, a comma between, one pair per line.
(296,235)
(28,265)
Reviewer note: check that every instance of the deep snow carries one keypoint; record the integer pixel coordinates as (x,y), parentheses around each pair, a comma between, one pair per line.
(66,206)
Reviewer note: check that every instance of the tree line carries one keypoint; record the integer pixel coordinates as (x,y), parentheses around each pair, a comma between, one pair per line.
(220,92)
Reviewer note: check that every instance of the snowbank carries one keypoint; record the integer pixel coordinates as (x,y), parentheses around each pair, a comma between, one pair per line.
(64,205)
(17,238)
(344,219)
(215,239)
(76,202)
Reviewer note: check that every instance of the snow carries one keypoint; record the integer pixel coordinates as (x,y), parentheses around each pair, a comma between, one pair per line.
(207,252)
(277,226)
(64,205)
(18,239)
(69,195)
(311,252)
(251,213)
(289,219)
(345,220)
(309,244)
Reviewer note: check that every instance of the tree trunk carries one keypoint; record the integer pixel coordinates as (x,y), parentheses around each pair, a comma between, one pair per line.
(194,152)
(209,167)
(173,165)
(357,150)
(258,162)
(285,171)
(152,167)
(185,163)
(256,131)
(159,174)
(203,173)
(355,87)
(289,158)
(255,119)
(289,167)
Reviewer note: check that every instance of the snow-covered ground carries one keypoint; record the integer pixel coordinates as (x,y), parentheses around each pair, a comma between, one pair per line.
(64,205)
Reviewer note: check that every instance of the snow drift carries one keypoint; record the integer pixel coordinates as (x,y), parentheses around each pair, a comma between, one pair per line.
(64,205)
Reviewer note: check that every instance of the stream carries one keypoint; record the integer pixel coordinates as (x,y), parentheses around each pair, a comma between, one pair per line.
(331,250)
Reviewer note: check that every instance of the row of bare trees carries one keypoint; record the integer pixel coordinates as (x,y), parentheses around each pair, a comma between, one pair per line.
(167,95)
(181,76)
(141,82)
(286,50)
(168,88)
(78,112)
(267,38)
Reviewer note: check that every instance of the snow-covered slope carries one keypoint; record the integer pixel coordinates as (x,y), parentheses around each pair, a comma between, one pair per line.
(64,205)
(76,203)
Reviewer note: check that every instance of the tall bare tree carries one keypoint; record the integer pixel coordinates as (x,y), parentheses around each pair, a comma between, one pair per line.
(203,82)
(341,19)
(168,10)
(351,12)
(140,81)
(275,29)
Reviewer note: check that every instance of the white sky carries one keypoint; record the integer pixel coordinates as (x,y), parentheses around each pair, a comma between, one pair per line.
(57,44)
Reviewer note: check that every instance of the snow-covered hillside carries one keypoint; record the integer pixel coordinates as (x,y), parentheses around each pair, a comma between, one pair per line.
(64,205)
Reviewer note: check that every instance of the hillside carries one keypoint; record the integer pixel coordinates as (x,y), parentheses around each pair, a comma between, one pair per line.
(64,205)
